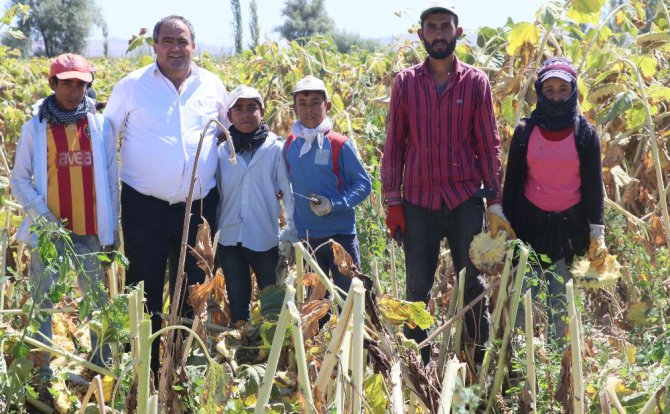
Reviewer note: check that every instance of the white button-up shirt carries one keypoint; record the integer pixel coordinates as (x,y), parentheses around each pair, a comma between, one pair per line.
(161,128)
(248,206)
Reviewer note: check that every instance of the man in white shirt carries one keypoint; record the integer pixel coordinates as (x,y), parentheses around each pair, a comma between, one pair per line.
(160,111)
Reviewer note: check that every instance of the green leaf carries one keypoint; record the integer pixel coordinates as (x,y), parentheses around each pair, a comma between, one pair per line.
(267,333)
(508,111)
(623,102)
(586,11)
(605,34)
(146,60)
(271,299)
(659,92)
(647,65)
(484,35)
(520,34)
(412,313)
(375,394)
(338,105)
(550,12)
(636,117)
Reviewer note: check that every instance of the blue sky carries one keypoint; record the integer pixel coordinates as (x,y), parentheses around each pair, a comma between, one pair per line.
(369,18)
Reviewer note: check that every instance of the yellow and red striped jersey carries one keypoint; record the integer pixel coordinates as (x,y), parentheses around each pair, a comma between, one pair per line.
(71,184)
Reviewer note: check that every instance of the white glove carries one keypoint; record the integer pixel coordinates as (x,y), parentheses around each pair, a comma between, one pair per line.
(288,235)
(323,207)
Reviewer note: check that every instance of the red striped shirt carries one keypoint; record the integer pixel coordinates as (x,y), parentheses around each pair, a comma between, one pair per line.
(440,148)
(70,179)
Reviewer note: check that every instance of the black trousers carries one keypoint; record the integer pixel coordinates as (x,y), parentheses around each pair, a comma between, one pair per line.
(152,233)
(425,230)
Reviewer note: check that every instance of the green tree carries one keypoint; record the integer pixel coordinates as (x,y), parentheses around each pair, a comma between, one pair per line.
(254,27)
(346,42)
(60,25)
(303,19)
(237,24)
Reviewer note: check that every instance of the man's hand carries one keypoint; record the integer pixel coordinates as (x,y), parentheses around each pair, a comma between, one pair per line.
(322,207)
(498,222)
(395,221)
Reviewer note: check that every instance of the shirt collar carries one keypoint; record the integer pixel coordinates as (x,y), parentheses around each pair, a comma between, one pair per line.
(194,70)
(423,68)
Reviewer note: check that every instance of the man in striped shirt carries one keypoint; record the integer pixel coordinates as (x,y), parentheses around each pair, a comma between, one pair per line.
(65,171)
(442,153)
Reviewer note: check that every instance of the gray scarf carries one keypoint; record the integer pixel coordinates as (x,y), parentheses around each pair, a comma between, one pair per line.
(52,113)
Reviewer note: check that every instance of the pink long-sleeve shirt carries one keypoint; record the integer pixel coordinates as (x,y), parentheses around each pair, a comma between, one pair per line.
(440,148)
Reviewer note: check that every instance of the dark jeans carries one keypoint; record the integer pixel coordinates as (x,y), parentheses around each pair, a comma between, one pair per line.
(152,232)
(425,230)
(324,256)
(235,262)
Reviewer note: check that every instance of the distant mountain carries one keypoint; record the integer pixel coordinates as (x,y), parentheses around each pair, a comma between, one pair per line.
(117,48)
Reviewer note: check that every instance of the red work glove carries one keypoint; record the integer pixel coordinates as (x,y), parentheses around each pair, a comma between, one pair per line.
(395,221)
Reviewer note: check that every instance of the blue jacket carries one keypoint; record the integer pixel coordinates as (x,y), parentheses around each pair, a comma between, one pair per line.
(313,173)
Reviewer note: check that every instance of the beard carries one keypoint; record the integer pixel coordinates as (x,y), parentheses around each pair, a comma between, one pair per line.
(440,54)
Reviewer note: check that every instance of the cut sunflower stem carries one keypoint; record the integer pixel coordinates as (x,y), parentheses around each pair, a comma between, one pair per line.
(530,350)
(497,314)
(575,350)
(301,360)
(501,366)
(277,344)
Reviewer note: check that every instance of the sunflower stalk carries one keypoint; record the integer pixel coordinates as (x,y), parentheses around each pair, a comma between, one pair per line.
(652,404)
(358,336)
(301,360)
(166,370)
(454,367)
(662,197)
(497,314)
(277,344)
(459,307)
(530,349)
(332,289)
(330,359)
(501,366)
(576,351)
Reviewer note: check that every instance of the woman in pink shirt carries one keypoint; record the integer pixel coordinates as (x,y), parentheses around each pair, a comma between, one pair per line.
(553,192)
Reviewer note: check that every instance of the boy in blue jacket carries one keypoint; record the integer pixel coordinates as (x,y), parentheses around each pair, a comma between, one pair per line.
(323,166)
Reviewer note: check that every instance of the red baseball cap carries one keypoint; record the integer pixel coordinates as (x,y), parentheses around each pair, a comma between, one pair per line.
(71,66)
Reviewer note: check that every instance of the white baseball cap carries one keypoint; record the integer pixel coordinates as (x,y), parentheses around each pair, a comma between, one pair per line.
(438,6)
(310,83)
(243,91)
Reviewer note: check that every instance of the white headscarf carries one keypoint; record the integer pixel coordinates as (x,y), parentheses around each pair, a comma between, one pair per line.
(309,134)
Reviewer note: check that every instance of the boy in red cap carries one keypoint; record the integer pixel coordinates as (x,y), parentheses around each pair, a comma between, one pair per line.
(559,215)
(65,172)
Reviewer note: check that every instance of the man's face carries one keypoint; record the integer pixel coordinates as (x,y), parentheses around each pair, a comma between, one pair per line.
(69,92)
(246,115)
(311,107)
(439,35)
(174,49)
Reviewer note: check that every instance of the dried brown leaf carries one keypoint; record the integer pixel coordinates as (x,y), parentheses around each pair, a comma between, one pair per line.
(310,314)
(199,293)
(658,232)
(317,289)
(526,399)
(204,248)
(342,259)
(310,279)
(564,388)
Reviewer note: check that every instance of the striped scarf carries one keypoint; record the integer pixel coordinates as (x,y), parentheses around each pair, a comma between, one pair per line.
(49,110)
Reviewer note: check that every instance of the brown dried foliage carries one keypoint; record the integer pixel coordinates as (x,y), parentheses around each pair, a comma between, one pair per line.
(343,260)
